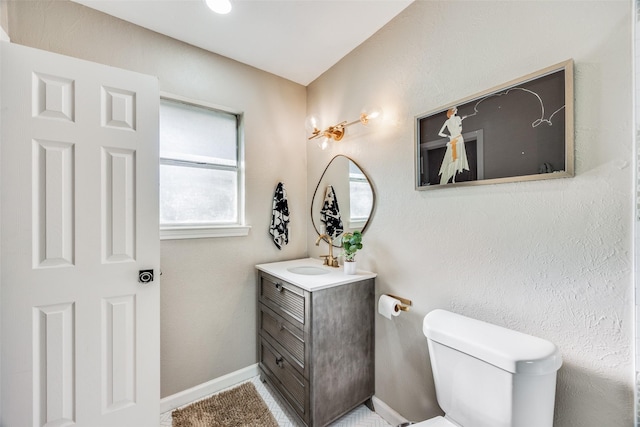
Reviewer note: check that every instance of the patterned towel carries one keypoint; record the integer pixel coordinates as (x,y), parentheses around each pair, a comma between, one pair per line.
(330,214)
(279,228)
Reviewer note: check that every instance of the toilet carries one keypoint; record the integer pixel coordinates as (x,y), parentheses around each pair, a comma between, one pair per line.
(489,376)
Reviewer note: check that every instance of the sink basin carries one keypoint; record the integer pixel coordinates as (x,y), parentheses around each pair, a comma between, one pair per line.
(308,270)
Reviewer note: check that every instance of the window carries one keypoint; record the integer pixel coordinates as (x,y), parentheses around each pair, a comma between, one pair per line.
(360,197)
(200,175)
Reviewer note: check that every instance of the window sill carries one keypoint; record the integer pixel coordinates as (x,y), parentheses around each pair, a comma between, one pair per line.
(357,224)
(200,232)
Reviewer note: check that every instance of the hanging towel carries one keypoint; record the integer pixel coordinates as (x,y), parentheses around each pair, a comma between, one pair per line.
(330,214)
(279,228)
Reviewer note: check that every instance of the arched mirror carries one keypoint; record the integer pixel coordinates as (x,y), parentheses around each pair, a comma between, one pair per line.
(344,199)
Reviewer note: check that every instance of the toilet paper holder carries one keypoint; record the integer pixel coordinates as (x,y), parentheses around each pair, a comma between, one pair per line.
(405,303)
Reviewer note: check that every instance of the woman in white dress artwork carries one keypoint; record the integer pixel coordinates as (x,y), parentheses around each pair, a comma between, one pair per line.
(455,158)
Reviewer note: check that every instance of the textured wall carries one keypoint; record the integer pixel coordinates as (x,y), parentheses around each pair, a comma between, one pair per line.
(550,258)
(208,285)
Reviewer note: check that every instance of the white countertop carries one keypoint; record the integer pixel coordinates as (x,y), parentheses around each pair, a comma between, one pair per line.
(333,277)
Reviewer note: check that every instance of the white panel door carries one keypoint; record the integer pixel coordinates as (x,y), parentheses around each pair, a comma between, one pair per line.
(79,220)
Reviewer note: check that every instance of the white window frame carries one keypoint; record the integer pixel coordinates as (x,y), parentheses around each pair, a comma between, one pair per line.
(189,231)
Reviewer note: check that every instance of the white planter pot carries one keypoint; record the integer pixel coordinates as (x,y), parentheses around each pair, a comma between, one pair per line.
(349,267)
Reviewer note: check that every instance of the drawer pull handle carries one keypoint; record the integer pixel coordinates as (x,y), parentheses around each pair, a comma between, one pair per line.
(280,361)
(279,287)
(281,326)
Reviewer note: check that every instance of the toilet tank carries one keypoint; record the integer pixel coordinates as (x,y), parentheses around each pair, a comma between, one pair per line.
(490,376)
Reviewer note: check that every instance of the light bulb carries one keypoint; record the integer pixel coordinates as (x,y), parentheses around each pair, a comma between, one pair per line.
(370,114)
(311,123)
(219,6)
(323,143)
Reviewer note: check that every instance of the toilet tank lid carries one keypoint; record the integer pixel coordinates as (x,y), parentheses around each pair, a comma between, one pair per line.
(510,350)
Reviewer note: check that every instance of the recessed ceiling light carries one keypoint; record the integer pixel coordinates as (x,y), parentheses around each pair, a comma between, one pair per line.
(219,6)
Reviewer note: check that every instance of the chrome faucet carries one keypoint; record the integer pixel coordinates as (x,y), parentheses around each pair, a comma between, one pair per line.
(329,260)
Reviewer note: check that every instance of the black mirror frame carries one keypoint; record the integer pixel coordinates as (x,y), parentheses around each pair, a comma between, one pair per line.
(373,193)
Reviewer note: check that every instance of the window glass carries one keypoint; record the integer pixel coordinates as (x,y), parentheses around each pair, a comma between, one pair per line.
(192,195)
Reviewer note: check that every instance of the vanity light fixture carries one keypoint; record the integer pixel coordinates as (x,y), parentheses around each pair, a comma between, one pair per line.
(336,132)
(219,6)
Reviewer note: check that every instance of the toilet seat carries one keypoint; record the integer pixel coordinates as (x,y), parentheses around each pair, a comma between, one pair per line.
(435,422)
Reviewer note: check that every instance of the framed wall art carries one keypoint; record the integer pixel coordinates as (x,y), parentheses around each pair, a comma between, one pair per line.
(519,131)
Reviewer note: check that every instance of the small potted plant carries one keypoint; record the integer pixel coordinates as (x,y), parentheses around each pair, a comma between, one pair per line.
(351,243)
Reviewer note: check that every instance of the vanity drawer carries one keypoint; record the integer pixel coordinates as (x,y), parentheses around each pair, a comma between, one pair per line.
(292,386)
(285,299)
(289,337)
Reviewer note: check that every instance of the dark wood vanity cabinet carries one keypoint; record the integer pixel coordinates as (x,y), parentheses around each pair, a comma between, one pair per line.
(316,349)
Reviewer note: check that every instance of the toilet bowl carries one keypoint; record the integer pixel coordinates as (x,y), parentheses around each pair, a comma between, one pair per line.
(489,376)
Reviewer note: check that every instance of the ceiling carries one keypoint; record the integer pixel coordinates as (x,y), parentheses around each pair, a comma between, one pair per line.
(294,39)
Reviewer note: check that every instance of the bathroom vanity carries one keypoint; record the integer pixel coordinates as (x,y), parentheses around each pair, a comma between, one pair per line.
(316,337)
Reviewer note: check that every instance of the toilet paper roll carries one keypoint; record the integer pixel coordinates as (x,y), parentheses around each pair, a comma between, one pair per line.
(388,306)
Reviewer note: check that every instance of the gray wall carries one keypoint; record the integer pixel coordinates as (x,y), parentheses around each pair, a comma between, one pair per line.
(208,285)
(550,258)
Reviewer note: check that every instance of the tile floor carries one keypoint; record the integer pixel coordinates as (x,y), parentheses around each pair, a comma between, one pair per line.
(359,417)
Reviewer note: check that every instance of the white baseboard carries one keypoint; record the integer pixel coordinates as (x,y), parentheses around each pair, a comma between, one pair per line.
(387,412)
(177,400)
